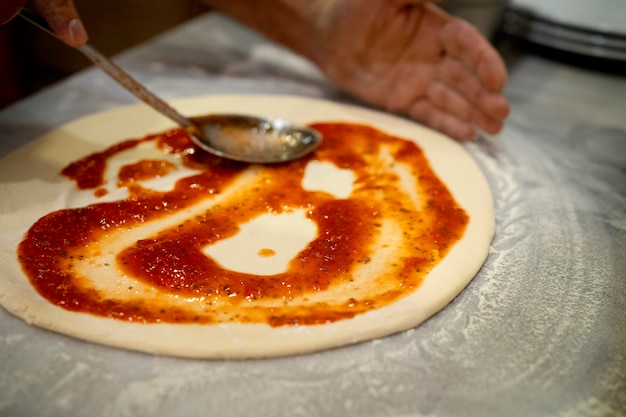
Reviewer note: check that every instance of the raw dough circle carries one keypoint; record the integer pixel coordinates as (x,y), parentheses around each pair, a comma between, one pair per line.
(31,187)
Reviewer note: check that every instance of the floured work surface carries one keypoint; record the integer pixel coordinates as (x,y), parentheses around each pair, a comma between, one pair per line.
(151,244)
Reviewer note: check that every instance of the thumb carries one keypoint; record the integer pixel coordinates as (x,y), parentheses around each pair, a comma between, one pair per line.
(64,21)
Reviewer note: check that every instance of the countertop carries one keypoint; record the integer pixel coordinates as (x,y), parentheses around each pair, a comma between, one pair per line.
(540,331)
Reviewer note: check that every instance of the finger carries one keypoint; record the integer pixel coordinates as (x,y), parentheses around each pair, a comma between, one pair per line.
(448,102)
(64,21)
(464,42)
(456,76)
(451,102)
(423,111)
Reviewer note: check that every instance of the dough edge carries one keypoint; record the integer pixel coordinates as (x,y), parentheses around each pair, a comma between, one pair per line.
(449,159)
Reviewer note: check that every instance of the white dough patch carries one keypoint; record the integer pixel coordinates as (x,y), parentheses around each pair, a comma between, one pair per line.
(283,235)
(327,177)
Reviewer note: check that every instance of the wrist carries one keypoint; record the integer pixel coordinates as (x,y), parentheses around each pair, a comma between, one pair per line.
(292,23)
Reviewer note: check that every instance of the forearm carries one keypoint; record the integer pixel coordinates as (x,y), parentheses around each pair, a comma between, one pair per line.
(289,22)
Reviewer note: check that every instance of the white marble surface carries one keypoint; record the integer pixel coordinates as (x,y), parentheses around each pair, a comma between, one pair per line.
(541,331)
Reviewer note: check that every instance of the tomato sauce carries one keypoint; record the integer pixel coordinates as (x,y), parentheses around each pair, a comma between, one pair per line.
(171,262)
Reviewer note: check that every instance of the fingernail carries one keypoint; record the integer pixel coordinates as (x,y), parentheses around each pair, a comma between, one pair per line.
(78,34)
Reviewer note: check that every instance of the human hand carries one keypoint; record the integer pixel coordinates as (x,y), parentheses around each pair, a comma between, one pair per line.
(412,58)
(61,15)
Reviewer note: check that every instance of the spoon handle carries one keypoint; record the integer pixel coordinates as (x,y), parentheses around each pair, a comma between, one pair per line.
(116,73)
(133,86)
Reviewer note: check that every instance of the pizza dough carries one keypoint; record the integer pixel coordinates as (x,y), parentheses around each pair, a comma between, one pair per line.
(32,187)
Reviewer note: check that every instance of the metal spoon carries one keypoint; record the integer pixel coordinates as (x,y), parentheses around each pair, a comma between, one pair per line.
(237,137)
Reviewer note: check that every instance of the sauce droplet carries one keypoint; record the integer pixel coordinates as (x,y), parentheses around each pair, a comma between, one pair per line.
(267,253)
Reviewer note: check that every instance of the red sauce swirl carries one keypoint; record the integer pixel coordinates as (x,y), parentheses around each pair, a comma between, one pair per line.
(171,262)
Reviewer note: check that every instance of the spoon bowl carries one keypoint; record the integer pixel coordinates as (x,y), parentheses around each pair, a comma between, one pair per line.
(238,137)
(253,139)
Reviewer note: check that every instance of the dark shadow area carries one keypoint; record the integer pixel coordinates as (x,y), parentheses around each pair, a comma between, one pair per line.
(32,59)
